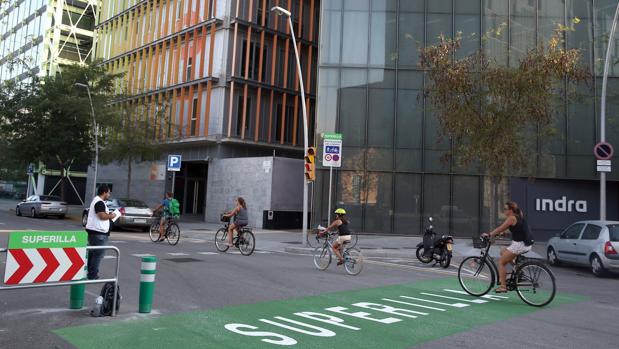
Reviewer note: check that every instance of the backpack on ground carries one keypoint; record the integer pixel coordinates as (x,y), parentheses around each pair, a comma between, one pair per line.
(107,295)
(175,207)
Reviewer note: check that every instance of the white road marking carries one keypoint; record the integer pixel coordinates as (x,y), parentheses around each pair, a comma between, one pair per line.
(109,257)
(412,267)
(208,253)
(413,304)
(178,254)
(140,255)
(455,305)
(263,252)
(477,301)
(487,296)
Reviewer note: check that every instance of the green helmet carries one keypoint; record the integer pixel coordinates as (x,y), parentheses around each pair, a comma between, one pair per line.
(340,211)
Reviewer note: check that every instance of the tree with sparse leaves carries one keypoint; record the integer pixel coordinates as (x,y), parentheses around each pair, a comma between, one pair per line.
(491,113)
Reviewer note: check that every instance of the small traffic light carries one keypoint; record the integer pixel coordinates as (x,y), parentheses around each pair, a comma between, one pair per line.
(310,164)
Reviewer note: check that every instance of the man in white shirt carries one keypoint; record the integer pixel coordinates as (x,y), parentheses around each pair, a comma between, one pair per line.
(98,229)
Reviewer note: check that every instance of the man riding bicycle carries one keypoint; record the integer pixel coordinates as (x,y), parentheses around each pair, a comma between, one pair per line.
(170,208)
(341,224)
(522,240)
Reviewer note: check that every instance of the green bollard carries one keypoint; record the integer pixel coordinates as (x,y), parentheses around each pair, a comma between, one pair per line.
(76,299)
(147,283)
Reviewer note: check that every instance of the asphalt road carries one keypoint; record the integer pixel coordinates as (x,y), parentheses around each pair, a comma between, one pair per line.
(200,293)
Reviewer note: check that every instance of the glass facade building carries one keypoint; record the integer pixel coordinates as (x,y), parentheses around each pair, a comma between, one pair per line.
(40,36)
(370,89)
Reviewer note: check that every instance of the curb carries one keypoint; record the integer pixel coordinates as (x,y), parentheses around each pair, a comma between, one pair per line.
(366,252)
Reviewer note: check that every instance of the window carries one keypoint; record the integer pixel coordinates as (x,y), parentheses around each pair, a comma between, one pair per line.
(573,232)
(188,76)
(194,117)
(254,60)
(288,123)
(592,232)
(239,113)
(613,232)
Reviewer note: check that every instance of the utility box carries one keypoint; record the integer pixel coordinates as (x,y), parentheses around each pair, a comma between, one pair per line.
(268,184)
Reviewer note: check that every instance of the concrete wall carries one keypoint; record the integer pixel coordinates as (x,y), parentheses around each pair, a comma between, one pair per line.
(249,178)
(142,186)
(287,193)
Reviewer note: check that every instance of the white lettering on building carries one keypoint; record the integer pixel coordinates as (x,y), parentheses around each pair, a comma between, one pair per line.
(561,205)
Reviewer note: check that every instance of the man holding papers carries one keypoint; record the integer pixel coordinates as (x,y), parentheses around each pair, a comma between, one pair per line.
(98,228)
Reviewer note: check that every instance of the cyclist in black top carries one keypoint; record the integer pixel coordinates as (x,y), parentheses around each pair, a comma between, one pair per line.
(522,240)
(341,224)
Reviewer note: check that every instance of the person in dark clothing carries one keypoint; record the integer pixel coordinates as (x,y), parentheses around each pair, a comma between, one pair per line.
(522,239)
(341,224)
(98,229)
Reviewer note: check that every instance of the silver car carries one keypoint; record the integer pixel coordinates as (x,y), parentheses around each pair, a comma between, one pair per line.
(134,214)
(587,243)
(42,206)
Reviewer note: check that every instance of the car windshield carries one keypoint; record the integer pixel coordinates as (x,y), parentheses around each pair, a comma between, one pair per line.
(132,203)
(49,198)
(613,232)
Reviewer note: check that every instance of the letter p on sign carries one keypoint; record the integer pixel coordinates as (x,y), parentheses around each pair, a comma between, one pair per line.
(174,163)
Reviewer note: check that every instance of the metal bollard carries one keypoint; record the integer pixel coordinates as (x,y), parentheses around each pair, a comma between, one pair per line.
(76,299)
(147,283)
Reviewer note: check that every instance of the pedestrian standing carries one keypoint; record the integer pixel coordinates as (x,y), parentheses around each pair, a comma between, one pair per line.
(98,229)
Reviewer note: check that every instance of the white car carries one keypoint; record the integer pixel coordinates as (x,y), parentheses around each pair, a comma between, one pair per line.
(587,243)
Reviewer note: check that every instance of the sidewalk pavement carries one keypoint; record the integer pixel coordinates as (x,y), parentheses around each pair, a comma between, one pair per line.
(371,245)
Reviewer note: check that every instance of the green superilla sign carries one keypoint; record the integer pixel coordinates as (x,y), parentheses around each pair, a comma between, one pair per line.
(47,239)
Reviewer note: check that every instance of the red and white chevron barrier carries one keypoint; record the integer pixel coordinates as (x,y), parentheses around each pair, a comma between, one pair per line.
(39,265)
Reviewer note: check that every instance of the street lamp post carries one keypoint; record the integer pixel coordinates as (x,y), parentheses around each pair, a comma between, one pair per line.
(603,112)
(281,11)
(94,126)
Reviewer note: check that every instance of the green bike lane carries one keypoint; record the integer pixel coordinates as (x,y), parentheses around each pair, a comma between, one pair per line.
(397,316)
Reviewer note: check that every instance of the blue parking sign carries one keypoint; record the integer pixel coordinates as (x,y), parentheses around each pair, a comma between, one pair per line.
(174,163)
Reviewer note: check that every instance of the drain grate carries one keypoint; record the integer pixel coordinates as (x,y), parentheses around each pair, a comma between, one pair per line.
(183,260)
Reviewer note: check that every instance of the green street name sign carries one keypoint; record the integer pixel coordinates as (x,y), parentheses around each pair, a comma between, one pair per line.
(47,239)
(336,136)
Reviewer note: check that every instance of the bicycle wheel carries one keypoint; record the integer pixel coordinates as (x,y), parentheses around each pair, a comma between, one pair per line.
(221,240)
(354,239)
(322,257)
(313,240)
(353,261)
(247,242)
(535,284)
(154,232)
(173,234)
(476,276)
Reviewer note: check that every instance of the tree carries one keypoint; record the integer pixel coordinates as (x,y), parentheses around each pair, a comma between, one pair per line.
(491,113)
(50,120)
(136,136)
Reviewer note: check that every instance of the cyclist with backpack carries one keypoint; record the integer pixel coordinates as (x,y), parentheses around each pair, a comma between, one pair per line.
(171,208)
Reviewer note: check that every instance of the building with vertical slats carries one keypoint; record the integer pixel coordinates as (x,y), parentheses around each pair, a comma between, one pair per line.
(219,74)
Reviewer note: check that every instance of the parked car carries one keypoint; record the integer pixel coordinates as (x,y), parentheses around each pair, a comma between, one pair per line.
(587,243)
(135,214)
(42,206)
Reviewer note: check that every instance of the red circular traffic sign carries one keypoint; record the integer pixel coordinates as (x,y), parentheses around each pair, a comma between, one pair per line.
(603,151)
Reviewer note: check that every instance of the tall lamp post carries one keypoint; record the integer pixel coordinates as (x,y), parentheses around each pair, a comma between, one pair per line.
(603,112)
(282,11)
(94,127)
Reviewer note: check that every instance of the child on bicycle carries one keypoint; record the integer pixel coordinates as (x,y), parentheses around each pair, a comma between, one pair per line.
(240,218)
(341,224)
(522,240)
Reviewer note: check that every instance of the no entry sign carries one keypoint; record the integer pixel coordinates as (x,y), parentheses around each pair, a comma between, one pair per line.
(37,257)
(603,151)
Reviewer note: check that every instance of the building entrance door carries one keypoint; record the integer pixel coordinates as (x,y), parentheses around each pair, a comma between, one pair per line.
(190,189)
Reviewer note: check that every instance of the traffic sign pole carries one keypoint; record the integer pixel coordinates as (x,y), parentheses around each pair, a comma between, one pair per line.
(330,184)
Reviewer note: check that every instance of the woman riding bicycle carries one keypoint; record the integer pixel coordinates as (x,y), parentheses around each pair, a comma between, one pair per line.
(522,239)
(341,224)
(240,218)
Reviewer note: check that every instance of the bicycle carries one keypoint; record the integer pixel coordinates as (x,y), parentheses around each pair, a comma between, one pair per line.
(244,239)
(531,279)
(172,231)
(353,259)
